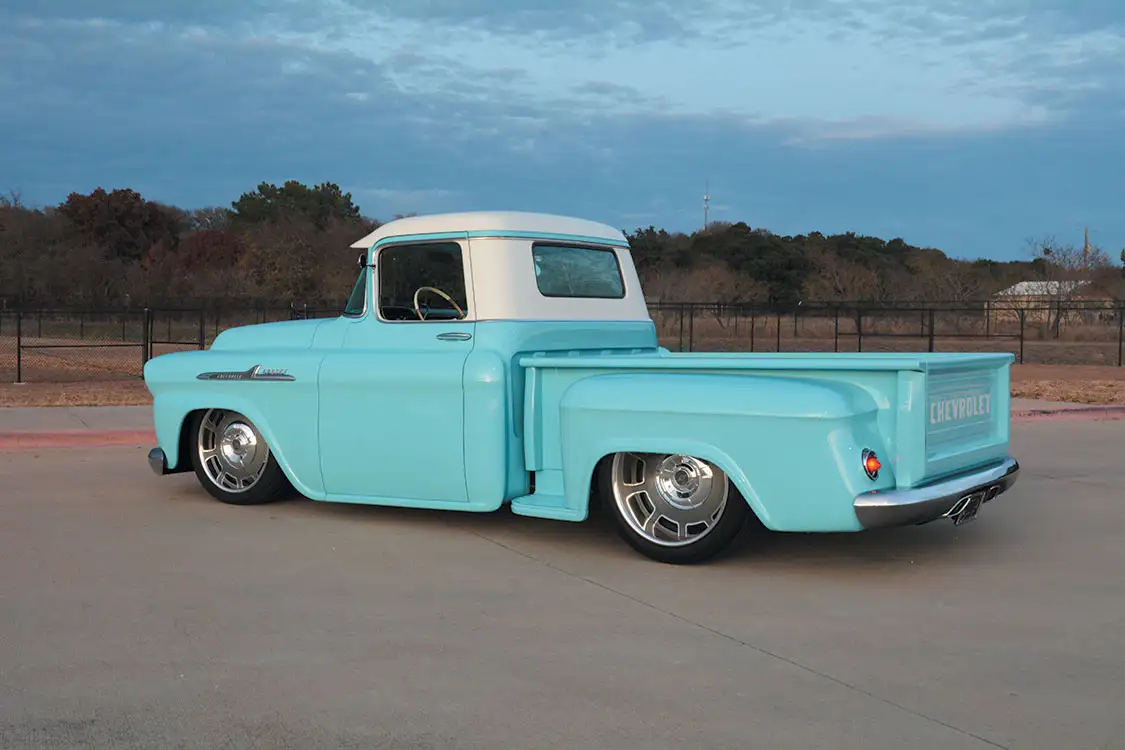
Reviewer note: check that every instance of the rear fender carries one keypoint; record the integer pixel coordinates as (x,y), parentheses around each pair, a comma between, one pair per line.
(791,446)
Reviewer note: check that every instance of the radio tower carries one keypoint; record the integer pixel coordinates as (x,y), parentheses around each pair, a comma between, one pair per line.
(706,204)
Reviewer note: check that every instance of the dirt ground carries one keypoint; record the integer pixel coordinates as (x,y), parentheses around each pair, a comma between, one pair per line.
(1074,383)
(1077,373)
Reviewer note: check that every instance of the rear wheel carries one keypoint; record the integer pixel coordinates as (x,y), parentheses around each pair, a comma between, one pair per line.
(232,460)
(672,508)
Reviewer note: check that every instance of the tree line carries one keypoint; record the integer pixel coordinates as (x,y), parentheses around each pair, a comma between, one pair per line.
(290,243)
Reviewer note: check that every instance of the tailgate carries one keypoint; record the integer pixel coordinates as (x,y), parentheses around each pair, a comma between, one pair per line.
(967,413)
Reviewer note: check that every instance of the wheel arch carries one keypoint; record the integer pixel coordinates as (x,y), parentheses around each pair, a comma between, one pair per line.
(602,459)
(180,462)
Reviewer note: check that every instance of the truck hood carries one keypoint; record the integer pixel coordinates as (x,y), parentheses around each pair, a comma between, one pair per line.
(286,334)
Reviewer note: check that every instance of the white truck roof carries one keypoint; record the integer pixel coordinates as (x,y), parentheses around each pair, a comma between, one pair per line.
(493,221)
(500,267)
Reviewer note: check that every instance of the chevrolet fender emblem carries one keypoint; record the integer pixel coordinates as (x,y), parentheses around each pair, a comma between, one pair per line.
(257,372)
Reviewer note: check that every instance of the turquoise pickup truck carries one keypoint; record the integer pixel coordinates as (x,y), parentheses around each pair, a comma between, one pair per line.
(504,358)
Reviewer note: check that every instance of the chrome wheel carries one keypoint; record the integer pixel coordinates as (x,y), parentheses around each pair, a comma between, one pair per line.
(232,453)
(668,500)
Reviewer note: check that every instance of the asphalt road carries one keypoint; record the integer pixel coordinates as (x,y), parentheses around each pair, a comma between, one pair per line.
(139,613)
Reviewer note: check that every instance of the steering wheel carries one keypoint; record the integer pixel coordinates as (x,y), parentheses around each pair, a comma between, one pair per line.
(435,290)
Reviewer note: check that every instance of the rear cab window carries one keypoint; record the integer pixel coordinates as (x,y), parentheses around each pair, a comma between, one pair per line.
(576,271)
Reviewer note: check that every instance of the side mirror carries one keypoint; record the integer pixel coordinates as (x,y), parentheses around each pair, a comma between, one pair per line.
(361,260)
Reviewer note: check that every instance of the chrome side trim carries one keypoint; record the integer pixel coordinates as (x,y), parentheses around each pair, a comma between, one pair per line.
(158,462)
(940,499)
(257,372)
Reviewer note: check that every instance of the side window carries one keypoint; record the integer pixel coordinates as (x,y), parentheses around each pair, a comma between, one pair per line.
(356,301)
(566,271)
(424,281)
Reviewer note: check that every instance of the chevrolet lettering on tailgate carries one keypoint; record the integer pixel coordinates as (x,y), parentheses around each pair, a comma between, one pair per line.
(954,409)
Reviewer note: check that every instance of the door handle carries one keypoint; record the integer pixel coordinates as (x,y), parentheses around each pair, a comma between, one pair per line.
(454,336)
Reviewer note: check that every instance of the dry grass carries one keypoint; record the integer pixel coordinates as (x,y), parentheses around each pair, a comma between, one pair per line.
(111,393)
(1100,392)
(1071,383)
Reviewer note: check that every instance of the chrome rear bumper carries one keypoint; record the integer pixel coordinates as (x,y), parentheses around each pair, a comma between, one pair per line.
(955,497)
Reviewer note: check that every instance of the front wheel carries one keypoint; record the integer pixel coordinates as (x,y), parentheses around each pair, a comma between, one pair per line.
(671,507)
(232,460)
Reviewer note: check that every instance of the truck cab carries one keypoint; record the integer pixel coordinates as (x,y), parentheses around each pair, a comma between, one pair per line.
(493,359)
(428,349)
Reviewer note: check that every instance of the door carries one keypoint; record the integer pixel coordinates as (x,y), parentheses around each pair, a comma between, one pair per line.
(392,396)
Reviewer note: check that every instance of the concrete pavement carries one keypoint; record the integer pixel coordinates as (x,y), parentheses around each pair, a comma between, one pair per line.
(139,612)
(60,418)
(75,426)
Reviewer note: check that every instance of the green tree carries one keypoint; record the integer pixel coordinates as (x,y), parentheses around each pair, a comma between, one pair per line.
(320,205)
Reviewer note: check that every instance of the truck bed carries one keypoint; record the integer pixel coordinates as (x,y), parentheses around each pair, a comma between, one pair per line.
(935,414)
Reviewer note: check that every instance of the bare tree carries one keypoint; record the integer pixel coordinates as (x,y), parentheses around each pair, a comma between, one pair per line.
(936,277)
(14,199)
(1067,271)
(1066,262)
(838,280)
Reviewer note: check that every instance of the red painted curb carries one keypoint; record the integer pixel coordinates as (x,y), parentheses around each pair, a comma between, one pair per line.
(75,439)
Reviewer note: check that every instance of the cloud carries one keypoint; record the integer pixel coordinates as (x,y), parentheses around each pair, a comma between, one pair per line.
(831,115)
(824,133)
(554,22)
(955,67)
(225,14)
(823,65)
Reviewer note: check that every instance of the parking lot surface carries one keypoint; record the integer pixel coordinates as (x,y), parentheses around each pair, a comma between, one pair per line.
(138,612)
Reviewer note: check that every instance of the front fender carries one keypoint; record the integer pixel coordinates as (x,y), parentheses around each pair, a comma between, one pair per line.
(284,411)
(791,446)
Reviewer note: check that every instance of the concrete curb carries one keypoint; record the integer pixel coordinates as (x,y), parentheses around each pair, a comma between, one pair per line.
(75,439)
(1075,413)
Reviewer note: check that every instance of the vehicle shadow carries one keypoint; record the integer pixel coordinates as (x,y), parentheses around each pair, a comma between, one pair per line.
(938,543)
(935,543)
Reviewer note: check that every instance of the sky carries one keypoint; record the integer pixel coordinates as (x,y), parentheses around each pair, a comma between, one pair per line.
(973,126)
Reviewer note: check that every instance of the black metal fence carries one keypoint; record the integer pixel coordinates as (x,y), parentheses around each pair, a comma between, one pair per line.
(59,345)
(1047,334)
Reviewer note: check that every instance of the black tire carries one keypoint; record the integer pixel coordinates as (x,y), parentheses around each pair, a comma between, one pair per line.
(731,519)
(268,485)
